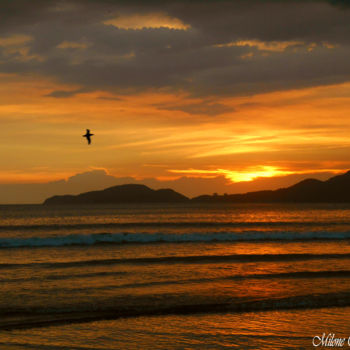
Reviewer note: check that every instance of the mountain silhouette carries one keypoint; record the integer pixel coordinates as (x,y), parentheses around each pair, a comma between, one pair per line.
(132,193)
(334,190)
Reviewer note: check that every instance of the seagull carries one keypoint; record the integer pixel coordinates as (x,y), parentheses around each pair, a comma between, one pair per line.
(87,135)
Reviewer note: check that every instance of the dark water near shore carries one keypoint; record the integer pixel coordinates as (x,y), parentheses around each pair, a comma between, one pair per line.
(173,276)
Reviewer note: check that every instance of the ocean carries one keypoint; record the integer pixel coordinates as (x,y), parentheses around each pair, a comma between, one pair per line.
(193,276)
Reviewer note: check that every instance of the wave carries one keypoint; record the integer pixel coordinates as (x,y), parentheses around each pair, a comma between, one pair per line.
(191,259)
(56,277)
(140,306)
(264,276)
(142,238)
(168,224)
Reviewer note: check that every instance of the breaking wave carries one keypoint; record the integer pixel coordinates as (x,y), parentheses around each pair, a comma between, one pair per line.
(144,238)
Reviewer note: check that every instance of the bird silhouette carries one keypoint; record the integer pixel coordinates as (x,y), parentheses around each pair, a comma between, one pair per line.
(88,136)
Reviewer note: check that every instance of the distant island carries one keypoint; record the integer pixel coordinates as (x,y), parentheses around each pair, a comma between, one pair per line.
(121,194)
(334,190)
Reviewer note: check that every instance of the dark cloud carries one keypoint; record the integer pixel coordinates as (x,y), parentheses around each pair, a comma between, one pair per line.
(65,93)
(70,43)
(340,3)
(202,108)
(110,98)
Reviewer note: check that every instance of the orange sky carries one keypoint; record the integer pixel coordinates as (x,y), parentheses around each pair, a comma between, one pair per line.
(278,133)
(170,130)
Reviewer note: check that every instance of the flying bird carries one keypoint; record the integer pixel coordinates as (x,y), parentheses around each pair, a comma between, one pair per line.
(88,136)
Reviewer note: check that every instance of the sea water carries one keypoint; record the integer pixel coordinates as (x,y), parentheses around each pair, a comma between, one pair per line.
(193,276)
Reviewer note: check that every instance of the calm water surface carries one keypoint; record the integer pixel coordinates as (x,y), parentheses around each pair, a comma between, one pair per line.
(173,277)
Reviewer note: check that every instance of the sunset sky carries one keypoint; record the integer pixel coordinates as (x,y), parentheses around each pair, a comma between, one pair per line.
(231,90)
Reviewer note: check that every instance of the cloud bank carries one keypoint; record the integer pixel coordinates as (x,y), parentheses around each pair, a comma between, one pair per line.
(202,48)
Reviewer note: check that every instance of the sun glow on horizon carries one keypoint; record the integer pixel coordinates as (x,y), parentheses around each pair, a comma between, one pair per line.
(264,171)
(238,176)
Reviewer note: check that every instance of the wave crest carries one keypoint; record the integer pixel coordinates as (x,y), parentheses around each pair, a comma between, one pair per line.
(143,238)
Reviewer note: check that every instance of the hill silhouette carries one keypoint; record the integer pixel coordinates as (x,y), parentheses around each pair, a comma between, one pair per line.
(336,189)
(132,193)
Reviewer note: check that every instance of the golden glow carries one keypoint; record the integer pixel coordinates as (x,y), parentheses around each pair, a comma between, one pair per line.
(277,46)
(72,45)
(150,20)
(36,176)
(238,176)
(329,45)
(274,46)
(15,40)
(264,171)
